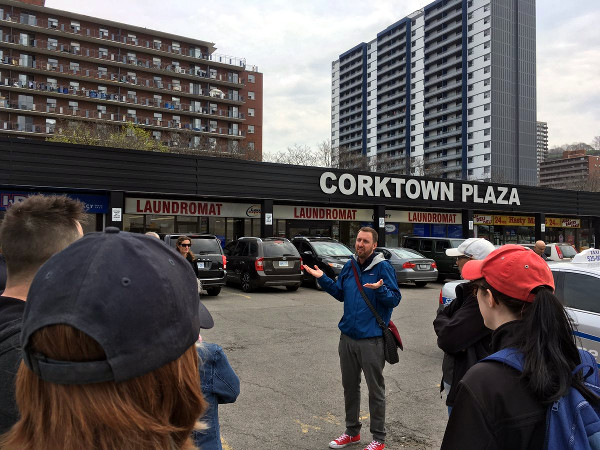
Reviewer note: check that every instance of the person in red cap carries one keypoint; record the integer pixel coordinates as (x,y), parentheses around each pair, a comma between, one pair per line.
(496,406)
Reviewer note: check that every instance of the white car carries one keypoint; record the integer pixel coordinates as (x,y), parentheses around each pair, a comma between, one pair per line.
(560,252)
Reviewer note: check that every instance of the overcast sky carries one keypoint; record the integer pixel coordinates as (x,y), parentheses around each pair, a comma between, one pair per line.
(294,42)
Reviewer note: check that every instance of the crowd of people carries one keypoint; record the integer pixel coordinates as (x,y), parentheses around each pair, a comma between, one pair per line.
(100,344)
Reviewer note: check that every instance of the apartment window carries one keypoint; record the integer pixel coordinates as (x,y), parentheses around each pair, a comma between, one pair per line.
(470,16)
(131,94)
(486,132)
(470,136)
(132,39)
(157,44)
(486,20)
(486,169)
(470,39)
(486,107)
(251,112)
(470,112)
(103,89)
(471,27)
(103,32)
(471,87)
(486,32)
(470,160)
(470,75)
(487,94)
(487,144)
(487,119)
(75,48)
(75,26)
(52,44)
(102,72)
(250,78)
(131,58)
(486,82)
(212,108)
(73,106)
(176,47)
(103,52)
(51,82)
(212,124)
(74,66)
(156,62)
(486,69)
(251,95)
(470,123)
(470,148)
(486,44)
(131,77)
(176,85)
(158,82)
(251,129)
(50,125)
(486,157)
(52,23)
(486,8)
(74,85)
(486,57)
(131,113)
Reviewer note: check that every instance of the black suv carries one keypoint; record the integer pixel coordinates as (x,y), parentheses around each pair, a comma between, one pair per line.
(325,252)
(210,259)
(435,248)
(255,262)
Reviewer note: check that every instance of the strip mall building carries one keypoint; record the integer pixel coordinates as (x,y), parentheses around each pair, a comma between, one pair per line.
(146,191)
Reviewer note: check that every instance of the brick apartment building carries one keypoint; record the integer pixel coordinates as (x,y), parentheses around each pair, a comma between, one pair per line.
(58,67)
(571,171)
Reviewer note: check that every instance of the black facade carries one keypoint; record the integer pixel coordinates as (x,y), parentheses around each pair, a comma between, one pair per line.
(127,174)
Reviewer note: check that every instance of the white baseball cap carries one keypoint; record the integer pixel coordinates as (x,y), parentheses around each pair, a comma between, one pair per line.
(476,248)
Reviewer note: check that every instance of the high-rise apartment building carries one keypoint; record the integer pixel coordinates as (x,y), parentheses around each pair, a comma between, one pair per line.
(60,67)
(448,91)
(575,170)
(542,143)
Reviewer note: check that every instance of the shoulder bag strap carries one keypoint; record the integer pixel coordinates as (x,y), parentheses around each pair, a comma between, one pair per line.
(366,299)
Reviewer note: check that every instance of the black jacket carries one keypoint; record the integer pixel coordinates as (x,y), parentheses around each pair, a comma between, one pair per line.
(11,317)
(2,272)
(494,409)
(462,335)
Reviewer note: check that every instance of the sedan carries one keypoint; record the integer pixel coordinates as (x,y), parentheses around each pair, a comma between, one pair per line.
(410,265)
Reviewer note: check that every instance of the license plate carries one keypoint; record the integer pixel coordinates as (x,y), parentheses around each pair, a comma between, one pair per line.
(424,266)
(200,265)
(283,264)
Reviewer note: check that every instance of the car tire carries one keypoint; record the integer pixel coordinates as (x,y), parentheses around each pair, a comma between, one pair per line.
(246,282)
(292,288)
(214,291)
(420,283)
(318,285)
(441,278)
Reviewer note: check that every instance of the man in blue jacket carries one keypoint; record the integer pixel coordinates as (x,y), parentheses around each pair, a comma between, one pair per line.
(361,341)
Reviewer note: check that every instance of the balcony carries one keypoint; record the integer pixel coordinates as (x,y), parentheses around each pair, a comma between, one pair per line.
(127,101)
(114,78)
(434,137)
(51,49)
(439,147)
(94,35)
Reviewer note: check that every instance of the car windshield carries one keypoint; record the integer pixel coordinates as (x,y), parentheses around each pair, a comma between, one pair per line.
(567,251)
(456,242)
(277,249)
(404,253)
(331,249)
(205,246)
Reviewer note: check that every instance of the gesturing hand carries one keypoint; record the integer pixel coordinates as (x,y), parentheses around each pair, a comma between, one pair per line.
(373,285)
(316,272)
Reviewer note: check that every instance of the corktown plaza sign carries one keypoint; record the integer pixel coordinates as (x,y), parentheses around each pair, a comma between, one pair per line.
(416,189)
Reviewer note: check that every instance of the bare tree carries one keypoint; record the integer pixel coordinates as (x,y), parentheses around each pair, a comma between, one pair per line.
(596,142)
(324,153)
(353,160)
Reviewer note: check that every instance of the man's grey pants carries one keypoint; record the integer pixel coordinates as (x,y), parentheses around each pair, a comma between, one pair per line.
(366,355)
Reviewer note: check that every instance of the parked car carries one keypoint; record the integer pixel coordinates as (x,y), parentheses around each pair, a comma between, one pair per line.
(560,252)
(326,253)
(210,260)
(576,285)
(435,248)
(410,265)
(255,262)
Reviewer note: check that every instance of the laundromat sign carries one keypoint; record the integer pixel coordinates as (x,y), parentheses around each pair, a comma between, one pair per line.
(320,213)
(163,207)
(416,189)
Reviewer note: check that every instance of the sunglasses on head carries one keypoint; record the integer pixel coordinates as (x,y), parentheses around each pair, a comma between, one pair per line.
(185,245)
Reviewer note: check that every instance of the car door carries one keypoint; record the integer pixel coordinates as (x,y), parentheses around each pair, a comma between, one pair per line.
(308,257)
(579,292)
(445,263)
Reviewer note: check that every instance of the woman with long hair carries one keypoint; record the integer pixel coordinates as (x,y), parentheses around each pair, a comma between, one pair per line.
(184,247)
(498,407)
(109,357)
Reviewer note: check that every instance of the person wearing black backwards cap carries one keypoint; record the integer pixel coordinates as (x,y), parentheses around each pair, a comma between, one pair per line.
(32,231)
(109,360)
(496,406)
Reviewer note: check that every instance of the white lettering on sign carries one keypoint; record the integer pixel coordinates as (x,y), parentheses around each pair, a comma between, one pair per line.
(415,189)
(324,213)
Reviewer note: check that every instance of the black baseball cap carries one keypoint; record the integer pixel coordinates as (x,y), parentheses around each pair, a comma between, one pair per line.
(130,292)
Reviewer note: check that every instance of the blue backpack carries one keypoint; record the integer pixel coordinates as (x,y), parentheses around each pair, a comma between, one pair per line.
(571,422)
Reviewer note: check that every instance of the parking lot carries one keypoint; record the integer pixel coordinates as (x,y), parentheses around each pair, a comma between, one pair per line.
(283,346)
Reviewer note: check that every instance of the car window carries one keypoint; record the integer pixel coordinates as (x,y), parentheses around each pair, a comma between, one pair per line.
(579,291)
(567,250)
(331,249)
(241,249)
(386,254)
(229,248)
(411,243)
(404,253)
(206,246)
(548,251)
(441,246)
(426,245)
(252,249)
(276,249)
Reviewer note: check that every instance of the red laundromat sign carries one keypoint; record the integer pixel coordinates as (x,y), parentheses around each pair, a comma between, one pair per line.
(190,208)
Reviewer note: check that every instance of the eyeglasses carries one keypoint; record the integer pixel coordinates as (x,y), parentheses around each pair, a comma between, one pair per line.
(185,245)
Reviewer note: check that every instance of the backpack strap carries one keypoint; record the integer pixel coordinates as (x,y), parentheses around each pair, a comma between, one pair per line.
(509,356)
(589,363)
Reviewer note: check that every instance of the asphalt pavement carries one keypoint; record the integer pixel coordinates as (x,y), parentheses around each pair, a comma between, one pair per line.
(283,346)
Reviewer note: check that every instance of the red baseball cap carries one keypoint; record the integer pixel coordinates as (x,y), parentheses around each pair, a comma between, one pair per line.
(513,270)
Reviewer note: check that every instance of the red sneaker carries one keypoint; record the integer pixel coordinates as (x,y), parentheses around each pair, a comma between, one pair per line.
(375,445)
(344,440)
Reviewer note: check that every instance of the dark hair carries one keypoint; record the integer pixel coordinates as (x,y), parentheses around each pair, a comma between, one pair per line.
(547,342)
(190,256)
(372,231)
(105,415)
(35,229)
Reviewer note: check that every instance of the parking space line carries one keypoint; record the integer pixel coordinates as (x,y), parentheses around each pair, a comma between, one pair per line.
(224,444)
